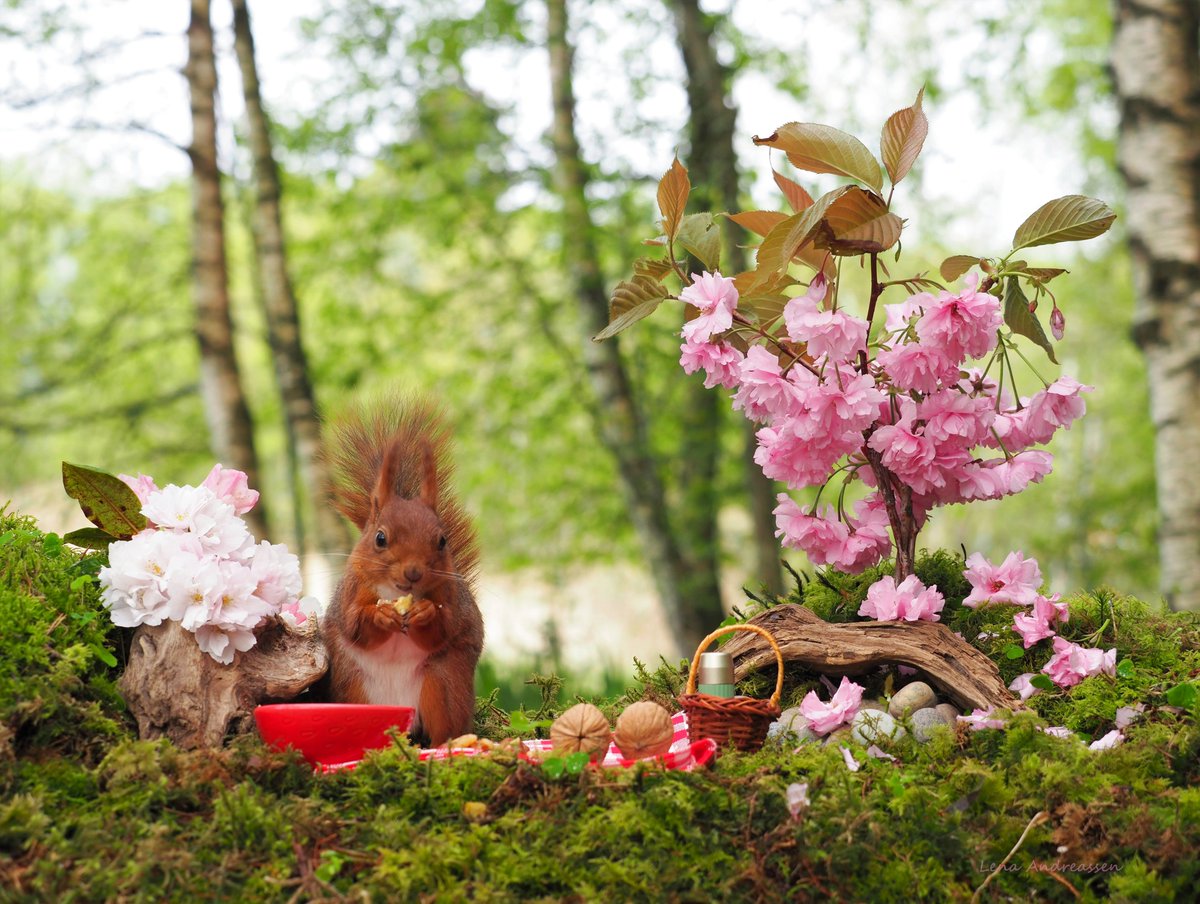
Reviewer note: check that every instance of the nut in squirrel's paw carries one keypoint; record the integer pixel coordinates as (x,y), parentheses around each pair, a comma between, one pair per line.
(401,605)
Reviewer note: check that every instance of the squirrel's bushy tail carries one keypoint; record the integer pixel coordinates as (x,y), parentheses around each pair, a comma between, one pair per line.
(354,443)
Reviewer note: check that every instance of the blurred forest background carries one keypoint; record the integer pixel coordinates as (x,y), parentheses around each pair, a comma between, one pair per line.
(447,225)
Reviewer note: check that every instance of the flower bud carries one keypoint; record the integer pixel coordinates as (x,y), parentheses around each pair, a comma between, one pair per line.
(1058,323)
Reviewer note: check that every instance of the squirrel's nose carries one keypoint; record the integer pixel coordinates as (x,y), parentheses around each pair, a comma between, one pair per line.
(413,573)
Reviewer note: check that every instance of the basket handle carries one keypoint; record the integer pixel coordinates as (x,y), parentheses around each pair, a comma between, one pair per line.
(754,629)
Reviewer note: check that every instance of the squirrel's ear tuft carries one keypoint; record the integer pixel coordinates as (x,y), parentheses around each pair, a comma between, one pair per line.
(385,488)
(429,476)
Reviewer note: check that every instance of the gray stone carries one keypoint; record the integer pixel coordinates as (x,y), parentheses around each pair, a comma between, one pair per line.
(840,737)
(926,721)
(950,711)
(910,698)
(871,727)
(790,728)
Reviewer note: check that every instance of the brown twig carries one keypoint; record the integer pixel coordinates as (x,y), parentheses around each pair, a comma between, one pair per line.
(1038,818)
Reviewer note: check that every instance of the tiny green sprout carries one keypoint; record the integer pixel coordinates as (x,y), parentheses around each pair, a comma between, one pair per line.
(331,864)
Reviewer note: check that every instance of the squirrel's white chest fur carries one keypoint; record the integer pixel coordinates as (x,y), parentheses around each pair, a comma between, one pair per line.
(393,672)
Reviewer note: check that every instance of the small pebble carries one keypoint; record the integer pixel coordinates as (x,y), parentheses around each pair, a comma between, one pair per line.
(910,698)
(949,712)
(925,721)
(841,736)
(790,728)
(870,727)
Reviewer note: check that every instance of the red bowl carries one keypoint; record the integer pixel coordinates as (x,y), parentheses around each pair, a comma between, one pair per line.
(330,734)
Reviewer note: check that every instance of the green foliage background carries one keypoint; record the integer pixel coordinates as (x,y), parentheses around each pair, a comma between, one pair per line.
(424,246)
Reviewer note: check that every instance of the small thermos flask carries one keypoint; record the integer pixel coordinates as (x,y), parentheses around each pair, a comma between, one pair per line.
(715,675)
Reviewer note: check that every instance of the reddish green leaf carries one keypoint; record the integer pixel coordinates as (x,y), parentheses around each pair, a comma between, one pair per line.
(859,222)
(785,240)
(799,199)
(824,149)
(1072,218)
(903,137)
(701,236)
(760,222)
(653,267)
(673,190)
(90,538)
(106,501)
(631,301)
(956,265)
(1019,319)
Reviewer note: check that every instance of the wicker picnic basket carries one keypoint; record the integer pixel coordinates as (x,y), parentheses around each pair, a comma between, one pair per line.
(742,721)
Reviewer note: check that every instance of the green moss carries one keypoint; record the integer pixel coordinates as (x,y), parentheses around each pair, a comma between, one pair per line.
(56,691)
(89,813)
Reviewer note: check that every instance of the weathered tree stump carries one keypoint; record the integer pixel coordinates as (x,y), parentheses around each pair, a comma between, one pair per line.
(176,690)
(962,673)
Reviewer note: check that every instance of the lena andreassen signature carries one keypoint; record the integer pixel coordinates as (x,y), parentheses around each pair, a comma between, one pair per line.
(1045,866)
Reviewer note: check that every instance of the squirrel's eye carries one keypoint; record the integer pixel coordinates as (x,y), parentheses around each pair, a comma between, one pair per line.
(442,542)
(380,540)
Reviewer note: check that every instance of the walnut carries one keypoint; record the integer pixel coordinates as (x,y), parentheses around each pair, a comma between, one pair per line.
(582,727)
(644,730)
(402,605)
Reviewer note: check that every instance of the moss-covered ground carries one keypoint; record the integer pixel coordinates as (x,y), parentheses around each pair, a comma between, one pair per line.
(89,813)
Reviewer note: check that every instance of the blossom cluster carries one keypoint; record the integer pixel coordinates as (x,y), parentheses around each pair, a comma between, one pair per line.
(944,429)
(197,564)
(841,708)
(1017,580)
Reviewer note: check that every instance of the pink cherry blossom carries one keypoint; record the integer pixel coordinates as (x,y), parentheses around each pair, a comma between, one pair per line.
(1113,739)
(908,454)
(1041,621)
(1015,580)
(824,717)
(1071,663)
(918,367)
(764,391)
(716,298)
(835,334)
(981,719)
(964,325)
(794,453)
(909,601)
(899,316)
(850,547)
(954,417)
(1022,688)
(141,485)
(1057,406)
(231,487)
(720,361)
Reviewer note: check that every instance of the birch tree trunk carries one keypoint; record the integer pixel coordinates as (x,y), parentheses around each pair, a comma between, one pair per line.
(1156,72)
(230,427)
(686,587)
(279,302)
(713,168)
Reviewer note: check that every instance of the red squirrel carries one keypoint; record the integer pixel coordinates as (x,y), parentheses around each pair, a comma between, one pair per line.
(403,627)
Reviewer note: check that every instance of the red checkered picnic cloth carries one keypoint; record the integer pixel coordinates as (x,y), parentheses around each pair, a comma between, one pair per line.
(684,754)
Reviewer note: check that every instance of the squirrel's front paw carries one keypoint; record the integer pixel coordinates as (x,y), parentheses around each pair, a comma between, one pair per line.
(422,613)
(387,618)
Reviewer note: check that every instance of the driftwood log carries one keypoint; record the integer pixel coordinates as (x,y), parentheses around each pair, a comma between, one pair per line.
(962,673)
(176,690)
